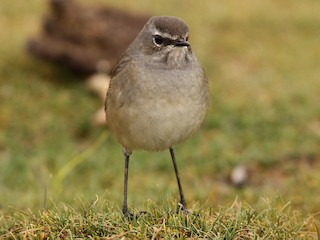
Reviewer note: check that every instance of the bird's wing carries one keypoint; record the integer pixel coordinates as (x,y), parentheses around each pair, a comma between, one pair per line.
(122,63)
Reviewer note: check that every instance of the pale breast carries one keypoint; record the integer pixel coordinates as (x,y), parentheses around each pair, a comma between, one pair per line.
(163,110)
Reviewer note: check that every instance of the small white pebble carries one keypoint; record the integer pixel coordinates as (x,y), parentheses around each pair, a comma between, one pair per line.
(239,175)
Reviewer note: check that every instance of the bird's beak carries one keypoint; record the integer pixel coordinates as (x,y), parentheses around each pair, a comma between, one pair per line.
(181,43)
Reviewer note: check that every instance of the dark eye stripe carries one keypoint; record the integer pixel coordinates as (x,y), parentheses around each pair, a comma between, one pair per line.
(159,40)
(168,41)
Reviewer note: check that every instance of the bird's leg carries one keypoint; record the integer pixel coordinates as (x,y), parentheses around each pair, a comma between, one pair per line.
(125,195)
(182,199)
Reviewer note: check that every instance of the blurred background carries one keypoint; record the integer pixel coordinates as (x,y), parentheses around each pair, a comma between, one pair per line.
(261,138)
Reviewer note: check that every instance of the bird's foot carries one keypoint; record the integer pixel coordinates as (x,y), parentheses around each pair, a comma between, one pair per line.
(182,207)
(127,213)
(131,215)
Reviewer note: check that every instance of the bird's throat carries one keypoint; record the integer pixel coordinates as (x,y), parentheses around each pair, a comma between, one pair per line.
(178,57)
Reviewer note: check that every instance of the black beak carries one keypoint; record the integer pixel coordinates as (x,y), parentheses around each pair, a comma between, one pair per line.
(181,43)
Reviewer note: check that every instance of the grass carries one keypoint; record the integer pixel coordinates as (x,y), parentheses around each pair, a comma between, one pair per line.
(95,219)
(261,59)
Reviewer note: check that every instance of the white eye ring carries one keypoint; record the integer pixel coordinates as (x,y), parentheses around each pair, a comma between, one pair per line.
(158,40)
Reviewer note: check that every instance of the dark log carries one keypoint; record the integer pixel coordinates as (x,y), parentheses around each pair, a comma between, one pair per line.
(86,39)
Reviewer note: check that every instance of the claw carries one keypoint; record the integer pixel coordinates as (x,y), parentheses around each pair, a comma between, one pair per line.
(183,207)
(128,215)
(131,215)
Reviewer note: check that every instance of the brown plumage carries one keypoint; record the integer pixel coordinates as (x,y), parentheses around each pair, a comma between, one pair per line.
(85,39)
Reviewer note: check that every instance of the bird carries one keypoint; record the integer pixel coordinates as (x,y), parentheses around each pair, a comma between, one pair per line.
(158,95)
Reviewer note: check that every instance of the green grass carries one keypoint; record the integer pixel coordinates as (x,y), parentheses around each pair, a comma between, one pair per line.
(262,60)
(93,219)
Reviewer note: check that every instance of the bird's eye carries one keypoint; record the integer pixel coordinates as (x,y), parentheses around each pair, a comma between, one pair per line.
(187,38)
(158,40)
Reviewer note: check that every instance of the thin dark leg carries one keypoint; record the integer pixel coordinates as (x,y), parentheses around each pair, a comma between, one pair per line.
(125,195)
(182,199)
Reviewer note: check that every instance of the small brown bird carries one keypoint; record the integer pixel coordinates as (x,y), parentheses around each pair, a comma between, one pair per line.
(158,93)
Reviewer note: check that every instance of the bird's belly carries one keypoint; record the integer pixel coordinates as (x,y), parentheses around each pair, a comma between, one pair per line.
(159,125)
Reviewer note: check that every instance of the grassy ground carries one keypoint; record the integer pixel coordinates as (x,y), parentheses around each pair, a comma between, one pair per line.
(261,59)
(94,220)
